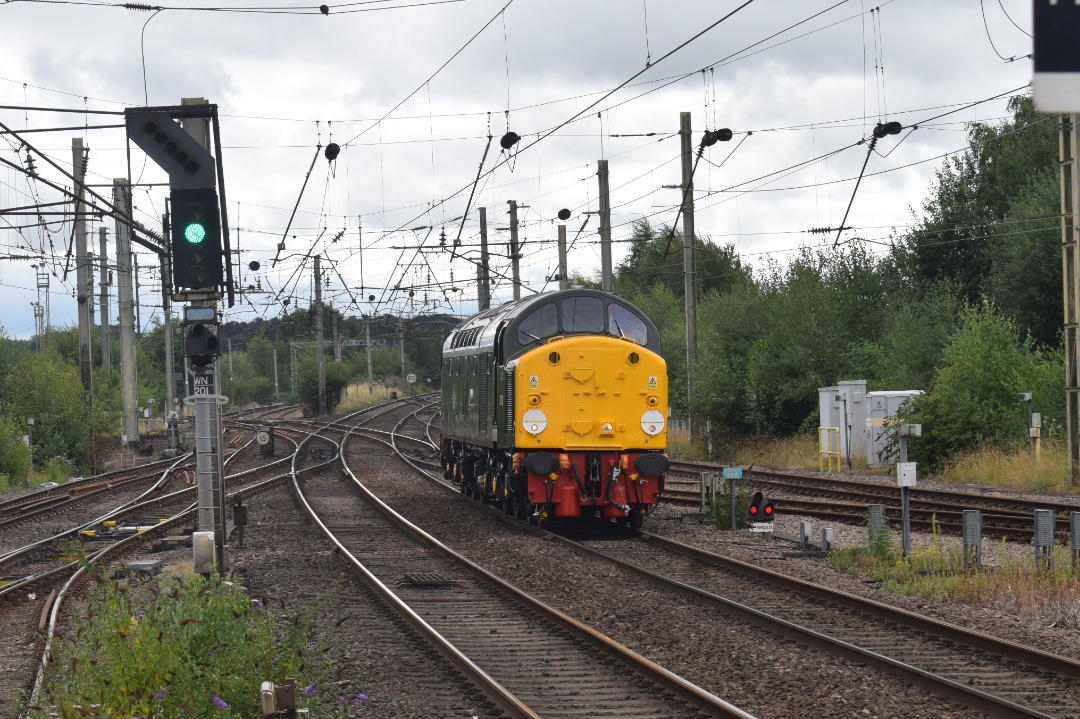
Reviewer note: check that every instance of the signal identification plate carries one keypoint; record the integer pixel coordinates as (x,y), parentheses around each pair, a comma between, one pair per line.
(761,526)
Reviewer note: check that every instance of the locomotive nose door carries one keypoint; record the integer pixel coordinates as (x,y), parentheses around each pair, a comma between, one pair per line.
(581,397)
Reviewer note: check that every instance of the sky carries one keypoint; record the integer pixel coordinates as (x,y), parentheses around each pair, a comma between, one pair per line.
(411,90)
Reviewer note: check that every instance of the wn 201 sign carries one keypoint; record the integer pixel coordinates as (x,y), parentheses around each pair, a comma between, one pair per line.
(202,384)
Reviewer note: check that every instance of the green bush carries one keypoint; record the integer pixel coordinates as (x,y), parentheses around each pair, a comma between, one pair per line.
(59,469)
(973,401)
(721,506)
(14,456)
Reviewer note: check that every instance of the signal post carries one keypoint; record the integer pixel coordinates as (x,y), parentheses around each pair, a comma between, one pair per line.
(198,248)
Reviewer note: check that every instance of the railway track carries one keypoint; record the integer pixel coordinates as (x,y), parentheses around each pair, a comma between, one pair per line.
(42,503)
(982,672)
(48,571)
(845,500)
(521,653)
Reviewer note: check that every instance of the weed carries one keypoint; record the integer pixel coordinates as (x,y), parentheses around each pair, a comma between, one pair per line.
(721,506)
(936,571)
(177,646)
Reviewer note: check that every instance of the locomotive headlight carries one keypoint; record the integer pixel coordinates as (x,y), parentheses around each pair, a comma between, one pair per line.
(606,428)
(652,422)
(534,421)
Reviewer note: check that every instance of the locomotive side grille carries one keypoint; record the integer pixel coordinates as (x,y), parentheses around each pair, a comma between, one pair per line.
(510,401)
(484,392)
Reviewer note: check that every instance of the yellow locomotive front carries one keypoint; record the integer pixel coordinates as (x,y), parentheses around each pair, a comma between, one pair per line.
(591,393)
(591,425)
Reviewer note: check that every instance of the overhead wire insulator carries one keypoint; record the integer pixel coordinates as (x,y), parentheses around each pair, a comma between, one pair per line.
(711,137)
(887,128)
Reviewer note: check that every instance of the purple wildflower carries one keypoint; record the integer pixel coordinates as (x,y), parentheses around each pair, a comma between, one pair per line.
(256,604)
(160,695)
(219,702)
(359,700)
(141,612)
(309,690)
(342,700)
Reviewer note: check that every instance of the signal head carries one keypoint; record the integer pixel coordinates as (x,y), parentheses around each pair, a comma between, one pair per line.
(196,244)
(760,509)
(201,346)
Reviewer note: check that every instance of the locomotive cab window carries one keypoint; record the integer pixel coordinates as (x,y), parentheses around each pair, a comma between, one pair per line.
(582,314)
(624,323)
(538,325)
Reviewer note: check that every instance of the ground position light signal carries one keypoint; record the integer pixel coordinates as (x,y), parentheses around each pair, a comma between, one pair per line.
(201,345)
(760,509)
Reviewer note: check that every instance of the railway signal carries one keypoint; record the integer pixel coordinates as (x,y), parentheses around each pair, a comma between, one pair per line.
(760,513)
(196,239)
(201,345)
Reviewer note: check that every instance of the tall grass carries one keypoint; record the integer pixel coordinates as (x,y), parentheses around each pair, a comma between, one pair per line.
(798,452)
(1015,468)
(679,446)
(359,395)
(937,571)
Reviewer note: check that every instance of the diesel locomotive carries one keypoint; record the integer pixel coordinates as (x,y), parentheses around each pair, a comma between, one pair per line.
(555,406)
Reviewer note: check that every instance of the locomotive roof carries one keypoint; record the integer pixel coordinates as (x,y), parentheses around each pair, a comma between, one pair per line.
(481,328)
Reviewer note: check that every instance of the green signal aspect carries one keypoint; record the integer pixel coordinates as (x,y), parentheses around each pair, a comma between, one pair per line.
(195,232)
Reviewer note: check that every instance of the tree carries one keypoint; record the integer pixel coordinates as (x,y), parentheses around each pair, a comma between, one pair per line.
(981,197)
(656,256)
(729,325)
(308,383)
(244,385)
(666,312)
(915,332)
(43,386)
(1025,261)
(973,397)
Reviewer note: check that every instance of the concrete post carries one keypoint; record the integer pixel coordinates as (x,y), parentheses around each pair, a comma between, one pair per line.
(124,299)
